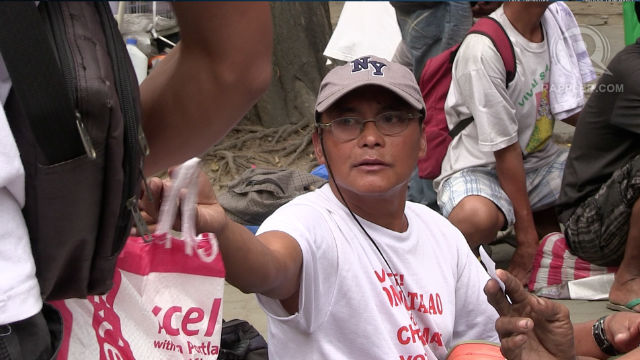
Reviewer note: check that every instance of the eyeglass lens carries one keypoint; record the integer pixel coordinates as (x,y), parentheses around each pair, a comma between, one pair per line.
(388,123)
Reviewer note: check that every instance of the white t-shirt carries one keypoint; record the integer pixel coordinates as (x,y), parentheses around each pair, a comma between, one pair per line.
(501,116)
(19,290)
(349,308)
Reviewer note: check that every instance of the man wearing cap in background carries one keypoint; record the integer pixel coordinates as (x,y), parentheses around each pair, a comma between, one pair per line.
(352,270)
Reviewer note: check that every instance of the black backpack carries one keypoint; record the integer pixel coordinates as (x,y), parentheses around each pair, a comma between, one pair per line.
(241,341)
(74,113)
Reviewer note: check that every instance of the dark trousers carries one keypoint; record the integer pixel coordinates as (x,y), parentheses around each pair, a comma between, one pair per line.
(34,338)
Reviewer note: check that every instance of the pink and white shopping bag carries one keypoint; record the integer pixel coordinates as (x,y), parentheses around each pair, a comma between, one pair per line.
(166,302)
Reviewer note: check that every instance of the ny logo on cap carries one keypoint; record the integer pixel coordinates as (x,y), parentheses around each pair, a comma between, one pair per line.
(363,64)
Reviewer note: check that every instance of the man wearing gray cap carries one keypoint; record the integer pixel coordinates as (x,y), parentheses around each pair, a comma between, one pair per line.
(352,270)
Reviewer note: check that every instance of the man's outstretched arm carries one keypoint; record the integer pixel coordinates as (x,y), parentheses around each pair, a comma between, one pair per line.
(268,264)
(220,68)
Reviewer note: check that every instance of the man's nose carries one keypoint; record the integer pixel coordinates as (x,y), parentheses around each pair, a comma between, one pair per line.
(370,134)
(371,124)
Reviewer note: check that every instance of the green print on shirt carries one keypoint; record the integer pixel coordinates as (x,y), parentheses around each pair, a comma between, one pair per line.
(534,83)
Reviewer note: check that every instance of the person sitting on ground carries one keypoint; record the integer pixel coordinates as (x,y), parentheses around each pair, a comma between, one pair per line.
(535,328)
(504,169)
(599,203)
(428,28)
(352,270)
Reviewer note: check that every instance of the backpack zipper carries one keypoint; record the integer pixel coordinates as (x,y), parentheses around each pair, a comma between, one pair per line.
(65,61)
(130,114)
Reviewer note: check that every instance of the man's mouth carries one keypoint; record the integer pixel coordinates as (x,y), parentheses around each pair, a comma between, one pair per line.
(371,164)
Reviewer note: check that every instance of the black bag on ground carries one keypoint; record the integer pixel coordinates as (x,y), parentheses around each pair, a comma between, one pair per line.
(241,341)
(74,112)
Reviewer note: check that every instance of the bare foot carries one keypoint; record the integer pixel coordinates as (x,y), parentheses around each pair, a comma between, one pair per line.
(522,262)
(625,289)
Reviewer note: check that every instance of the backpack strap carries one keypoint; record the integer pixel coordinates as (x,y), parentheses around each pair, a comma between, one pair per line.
(38,82)
(492,29)
(460,126)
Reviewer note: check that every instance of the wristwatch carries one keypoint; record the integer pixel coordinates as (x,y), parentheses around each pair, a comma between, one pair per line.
(600,337)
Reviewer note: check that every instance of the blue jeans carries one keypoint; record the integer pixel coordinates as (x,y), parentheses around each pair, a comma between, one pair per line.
(421,191)
(428,32)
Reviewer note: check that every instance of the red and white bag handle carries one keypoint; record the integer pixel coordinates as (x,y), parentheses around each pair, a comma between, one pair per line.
(185,177)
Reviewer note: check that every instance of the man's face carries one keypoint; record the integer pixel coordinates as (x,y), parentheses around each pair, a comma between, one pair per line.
(372,163)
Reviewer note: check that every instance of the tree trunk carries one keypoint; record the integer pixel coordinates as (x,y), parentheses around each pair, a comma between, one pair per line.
(301,32)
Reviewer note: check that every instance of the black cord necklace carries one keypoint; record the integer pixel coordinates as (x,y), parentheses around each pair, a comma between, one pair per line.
(344,201)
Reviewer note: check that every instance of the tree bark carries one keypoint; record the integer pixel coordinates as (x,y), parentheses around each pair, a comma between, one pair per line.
(301,33)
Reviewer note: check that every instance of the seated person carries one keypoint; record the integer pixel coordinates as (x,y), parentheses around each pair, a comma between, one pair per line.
(504,168)
(599,202)
(352,270)
(429,28)
(535,328)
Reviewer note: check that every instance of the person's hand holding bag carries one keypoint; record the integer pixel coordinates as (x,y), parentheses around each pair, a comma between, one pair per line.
(210,216)
(166,299)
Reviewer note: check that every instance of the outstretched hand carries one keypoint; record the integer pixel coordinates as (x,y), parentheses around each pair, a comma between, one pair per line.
(210,216)
(529,327)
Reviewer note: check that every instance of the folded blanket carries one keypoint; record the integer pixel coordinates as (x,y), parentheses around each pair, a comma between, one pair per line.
(570,63)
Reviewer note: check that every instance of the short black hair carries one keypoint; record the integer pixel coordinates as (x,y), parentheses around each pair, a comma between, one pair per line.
(637,6)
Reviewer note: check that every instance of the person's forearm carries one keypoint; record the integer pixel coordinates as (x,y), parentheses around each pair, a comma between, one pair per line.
(208,82)
(254,267)
(511,175)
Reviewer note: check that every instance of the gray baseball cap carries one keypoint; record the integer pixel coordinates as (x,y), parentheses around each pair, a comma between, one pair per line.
(369,70)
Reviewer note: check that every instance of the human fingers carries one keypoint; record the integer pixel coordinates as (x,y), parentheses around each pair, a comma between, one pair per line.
(548,310)
(496,297)
(206,194)
(510,326)
(150,222)
(150,203)
(151,228)
(171,171)
(513,347)
(513,287)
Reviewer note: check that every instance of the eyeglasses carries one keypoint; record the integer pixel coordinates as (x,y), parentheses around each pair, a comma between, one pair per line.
(350,127)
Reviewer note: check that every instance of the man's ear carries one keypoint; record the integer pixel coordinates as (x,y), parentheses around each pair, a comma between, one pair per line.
(317,146)
(423,142)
